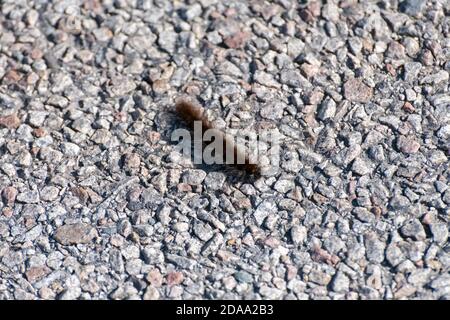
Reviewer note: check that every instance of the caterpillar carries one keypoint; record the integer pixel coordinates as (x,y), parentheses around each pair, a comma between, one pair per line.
(191,112)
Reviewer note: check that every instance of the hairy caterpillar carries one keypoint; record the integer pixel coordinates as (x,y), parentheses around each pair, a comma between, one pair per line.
(190,112)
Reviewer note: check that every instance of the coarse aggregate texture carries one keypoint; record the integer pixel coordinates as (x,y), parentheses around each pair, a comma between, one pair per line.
(97,204)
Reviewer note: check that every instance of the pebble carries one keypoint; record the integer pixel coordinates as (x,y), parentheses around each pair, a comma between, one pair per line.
(439,232)
(440,76)
(243,277)
(327,109)
(10,122)
(28,197)
(9,195)
(340,282)
(292,78)
(77,233)
(132,160)
(193,11)
(395,50)
(411,71)
(272,111)
(263,210)
(194,177)
(174,278)
(236,40)
(49,193)
(361,167)
(70,149)
(412,7)
(319,277)
(34,274)
(374,249)
(407,145)
(356,91)
(413,229)
(214,180)
(101,136)
(295,47)
(298,234)
(265,79)
(151,293)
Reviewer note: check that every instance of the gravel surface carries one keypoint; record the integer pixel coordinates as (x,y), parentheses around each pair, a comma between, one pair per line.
(96,204)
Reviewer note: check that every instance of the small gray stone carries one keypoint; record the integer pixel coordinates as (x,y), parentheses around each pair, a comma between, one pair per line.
(70,149)
(413,229)
(374,249)
(364,215)
(292,78)
(37,118)
(10,170)
(399,202)
(70,294)
(101,136)
(194,176)
(319,277)
(58,101)
(270,293)
(82,125)
(443,281)
(212,245)
(444,132)
(120,86)
(412,7)
(133,266)
(116,261)
(441,99)
(167,40)
(295,47)
(266,79)
(102,34)
(355,45)
(152,255)
(272,110)
(28,197)
(263,210)
(439,232)
(243,277)
(49,193)
(412,70)
(419,277)
(340,282)
(151,293)
(438,77)
(12,258)
(284,185)
(182,262)
(214,180)
(327,109)
(392,121)
(394,255)
(203,231)
(193,11)
(298,234)
(33,233)
(77,233)
(361,167)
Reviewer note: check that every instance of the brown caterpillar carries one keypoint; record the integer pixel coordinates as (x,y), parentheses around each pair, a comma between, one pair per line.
(191,112)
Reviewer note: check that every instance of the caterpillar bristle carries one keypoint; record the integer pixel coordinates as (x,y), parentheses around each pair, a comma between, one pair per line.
(190,112)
